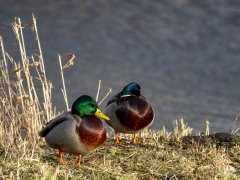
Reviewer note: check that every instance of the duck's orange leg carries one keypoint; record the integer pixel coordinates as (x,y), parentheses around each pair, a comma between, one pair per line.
(60,155)
(134,141)
(116,138)
(79,159)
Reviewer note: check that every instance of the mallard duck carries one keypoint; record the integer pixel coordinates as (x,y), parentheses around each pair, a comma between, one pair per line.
(129,112)
(78,131)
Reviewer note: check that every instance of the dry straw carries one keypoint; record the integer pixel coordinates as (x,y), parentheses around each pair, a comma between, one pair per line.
(22,114)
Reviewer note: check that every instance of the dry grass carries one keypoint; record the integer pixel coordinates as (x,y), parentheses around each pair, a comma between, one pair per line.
(24,155)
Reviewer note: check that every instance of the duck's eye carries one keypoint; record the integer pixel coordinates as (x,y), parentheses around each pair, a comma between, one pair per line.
(92,105)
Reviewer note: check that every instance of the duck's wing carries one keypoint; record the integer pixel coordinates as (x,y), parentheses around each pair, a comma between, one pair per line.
(54,122)
(114,98)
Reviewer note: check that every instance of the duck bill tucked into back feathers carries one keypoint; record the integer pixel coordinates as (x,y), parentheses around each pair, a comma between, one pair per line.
(99,114)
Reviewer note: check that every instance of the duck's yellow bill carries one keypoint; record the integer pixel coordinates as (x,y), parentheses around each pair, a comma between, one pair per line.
(99,114)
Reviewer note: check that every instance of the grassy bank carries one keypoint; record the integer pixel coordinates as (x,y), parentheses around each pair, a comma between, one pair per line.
(25,101)
(155,158)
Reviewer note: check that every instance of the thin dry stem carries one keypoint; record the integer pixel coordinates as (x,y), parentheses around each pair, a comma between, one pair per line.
(46,90)
(70,62)
(109,92)
(232,129)
(92,87)
(64,88)
(207,127)
(99,85)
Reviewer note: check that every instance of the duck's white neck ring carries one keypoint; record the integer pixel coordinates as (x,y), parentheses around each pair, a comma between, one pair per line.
(126,95)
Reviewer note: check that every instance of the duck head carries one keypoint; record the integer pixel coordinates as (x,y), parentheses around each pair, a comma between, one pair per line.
(131,89)
(86,105)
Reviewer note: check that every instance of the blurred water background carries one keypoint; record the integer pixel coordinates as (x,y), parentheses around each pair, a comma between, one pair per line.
(185,54)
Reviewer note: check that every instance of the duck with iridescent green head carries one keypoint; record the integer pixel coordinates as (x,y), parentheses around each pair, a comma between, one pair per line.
(129,112)
(79,131)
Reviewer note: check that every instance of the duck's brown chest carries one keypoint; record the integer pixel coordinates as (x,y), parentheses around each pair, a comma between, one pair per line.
(134,113)
(91,132)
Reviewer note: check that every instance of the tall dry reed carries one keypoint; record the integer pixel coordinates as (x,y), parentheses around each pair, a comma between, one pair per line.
(22,113)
